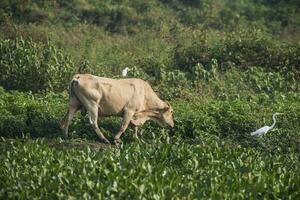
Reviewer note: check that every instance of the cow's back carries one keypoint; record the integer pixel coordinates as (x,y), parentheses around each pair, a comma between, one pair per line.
(120,94)
(112,95)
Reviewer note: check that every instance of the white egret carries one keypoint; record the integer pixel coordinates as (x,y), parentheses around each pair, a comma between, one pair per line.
(125,71)
(263,130)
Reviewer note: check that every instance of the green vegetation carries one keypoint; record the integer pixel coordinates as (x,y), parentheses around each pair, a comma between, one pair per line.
(165,168)
(26,65)
(225,66)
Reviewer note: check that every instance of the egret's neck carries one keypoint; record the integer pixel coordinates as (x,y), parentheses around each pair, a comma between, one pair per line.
(274,122)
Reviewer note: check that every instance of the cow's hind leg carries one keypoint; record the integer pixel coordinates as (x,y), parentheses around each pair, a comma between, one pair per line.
(93,117)
(126,120)
(136,128)
(137,123)
(137,135)
(66,121)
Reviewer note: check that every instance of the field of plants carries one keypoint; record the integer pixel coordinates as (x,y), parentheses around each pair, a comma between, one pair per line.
(225,66)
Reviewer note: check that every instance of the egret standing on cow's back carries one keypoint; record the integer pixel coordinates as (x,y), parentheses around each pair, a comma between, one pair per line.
(125,71)
(263,130)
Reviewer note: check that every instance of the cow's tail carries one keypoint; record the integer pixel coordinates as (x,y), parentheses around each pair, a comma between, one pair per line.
(74,83)
(72,95)
(72,92)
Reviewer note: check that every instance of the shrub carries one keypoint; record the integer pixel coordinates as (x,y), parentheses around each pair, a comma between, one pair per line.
(23,114)
(186,55)
(242,48)
(29,66)
(253,48)
(114,18)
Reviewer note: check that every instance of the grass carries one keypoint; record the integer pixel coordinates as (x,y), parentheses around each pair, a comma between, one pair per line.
(165,168)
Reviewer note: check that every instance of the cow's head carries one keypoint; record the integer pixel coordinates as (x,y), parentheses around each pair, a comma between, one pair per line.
(166,116)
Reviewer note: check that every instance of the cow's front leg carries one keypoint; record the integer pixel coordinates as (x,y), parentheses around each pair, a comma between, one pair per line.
(137,122)
(126,120)
(93,117)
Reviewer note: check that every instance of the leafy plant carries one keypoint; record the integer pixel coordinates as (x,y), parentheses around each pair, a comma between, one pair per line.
(166,168)
(26,65)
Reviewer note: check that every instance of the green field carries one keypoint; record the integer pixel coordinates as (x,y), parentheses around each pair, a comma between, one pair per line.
(225,66)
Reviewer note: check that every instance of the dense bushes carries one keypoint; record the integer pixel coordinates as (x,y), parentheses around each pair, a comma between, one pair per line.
(118,19)
(26,65)
(129,16)
(227,14)
(242,49)
(167,49)
(24,113)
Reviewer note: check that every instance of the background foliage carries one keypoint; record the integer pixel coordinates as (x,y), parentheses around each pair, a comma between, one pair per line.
(225,66)
(26,65)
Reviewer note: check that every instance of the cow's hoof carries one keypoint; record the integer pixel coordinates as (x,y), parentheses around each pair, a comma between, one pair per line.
(104,140)
(117,142)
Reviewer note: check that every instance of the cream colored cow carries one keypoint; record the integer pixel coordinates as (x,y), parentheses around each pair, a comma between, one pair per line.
(133,99)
